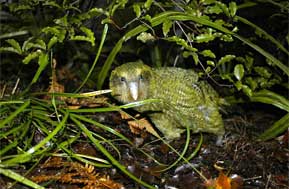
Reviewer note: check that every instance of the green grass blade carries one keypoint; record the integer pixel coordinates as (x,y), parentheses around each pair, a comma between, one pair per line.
(181,156)
(103,37)
(11,102)
(27,155)
(108,155)
(272,98)
(14,114)
(15,176)
(83,118)
(278,127)
(269,56)
(8,147)
(263,32)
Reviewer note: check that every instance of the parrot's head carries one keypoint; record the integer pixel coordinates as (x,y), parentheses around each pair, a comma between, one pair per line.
(130,82)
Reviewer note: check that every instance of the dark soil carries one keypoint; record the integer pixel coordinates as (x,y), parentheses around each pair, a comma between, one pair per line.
(249,163)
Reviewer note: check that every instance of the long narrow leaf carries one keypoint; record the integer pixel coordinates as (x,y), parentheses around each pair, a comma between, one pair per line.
(179,16)
(27,155)
(108,155)
(83,118)
(14,114)
(278,127)
(103,37)
(272,98)
(15,176)
(263,32)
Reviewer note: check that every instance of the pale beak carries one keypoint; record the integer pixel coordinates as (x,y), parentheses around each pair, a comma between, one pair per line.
(133,87)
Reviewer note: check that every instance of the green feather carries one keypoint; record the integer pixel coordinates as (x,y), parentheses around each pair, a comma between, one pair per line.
(184,100)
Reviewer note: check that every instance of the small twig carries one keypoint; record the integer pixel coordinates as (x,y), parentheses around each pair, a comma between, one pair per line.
(268,181)
(3,91)
(177,5)
(154,34)
(133,20)
(253,178)
(209,76)
(15,87)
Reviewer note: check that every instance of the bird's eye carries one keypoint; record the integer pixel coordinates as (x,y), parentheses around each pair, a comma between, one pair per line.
(122,79)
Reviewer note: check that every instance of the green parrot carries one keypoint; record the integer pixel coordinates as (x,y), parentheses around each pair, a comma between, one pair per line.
(184,101)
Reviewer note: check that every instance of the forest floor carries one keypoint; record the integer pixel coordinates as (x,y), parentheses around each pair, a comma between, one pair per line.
(241,159)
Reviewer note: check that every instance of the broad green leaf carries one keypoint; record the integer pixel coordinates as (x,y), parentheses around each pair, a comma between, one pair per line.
(210,63)
(173,15)
(246,89)
(224,8)
(53,40)
(208,53)
(226,58)
(232,8)
(148,18)
(8,49)
(251,82)
(262,71)
(13,34)
(148,4)
(118,4)
(227,76)
(195,56)
(238,85)
(52,4)
(227,38)
(204,38)
(62,21)
(15,7)
(208,2)
(186,54)
(214,9)
(166,27)
(239,71)
(145,37)
(78,19)
(249,62)
(57,31)
(43,61)
(89,36)
(15,45)
(31,56)
(136,9)
(182,42)
(39,44)
(26,46)
(208,69)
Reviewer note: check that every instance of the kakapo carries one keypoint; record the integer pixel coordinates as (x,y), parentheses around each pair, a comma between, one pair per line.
(184,101)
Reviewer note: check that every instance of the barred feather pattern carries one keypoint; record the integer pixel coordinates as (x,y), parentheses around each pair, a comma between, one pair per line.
(184,100)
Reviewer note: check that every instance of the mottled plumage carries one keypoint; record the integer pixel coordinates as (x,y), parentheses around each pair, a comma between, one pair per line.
(184,101)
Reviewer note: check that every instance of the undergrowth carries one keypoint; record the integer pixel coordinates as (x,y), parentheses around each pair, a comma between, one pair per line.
(242,60)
